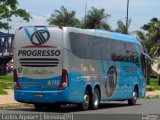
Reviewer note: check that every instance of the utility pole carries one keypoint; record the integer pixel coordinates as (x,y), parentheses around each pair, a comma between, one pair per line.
(8,25)
(85,9)
(127,17)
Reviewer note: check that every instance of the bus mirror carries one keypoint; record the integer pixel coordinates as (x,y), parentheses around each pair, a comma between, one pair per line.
(149,62)
(148,59)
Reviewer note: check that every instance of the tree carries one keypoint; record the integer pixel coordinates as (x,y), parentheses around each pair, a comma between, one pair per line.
(63,17)
(158,69)
(9,8)
(144,40)
(96,18)
(151,38)
(122,27)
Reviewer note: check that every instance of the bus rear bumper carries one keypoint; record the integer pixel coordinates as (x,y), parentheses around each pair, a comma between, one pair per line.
(59,96)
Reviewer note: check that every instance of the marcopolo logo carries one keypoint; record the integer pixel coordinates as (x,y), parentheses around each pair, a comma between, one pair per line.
(40,37)
(111,81)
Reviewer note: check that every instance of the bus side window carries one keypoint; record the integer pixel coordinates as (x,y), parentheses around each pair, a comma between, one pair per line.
(95,47)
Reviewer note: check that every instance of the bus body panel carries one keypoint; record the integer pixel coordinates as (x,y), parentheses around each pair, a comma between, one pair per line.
(38,67)
(40,84)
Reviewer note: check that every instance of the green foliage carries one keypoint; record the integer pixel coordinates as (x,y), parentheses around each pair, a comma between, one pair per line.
(9,8)
(149,88)
(2,91)
(13,106)
(122,27)
(63,17)
(141,35)
(151,37)
(6,82)
(4,86)
(6,78)
(154,84)
(96,18)
(152,97)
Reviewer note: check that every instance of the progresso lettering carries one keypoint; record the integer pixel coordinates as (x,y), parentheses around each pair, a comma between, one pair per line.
(38,52)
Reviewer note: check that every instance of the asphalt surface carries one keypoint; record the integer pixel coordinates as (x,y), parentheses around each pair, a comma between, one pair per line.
(144,106)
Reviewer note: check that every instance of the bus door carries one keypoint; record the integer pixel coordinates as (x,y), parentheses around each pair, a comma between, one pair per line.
(145,65)
(144,60)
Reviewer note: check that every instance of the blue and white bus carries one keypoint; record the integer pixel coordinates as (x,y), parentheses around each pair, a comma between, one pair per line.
(66,65)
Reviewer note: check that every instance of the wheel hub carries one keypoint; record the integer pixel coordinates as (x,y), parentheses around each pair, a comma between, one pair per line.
(134,96)
(86,101)
(96,99)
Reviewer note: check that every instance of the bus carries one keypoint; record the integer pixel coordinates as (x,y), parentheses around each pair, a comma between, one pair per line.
(55,65)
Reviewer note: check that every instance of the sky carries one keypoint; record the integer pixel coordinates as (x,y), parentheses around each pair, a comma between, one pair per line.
(140,11)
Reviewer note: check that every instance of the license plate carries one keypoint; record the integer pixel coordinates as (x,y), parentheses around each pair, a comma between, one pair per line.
(38,95)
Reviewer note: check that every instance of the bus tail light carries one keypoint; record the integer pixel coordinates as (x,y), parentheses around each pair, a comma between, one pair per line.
(20,28)
(15,78)
(64,80)
(60,27)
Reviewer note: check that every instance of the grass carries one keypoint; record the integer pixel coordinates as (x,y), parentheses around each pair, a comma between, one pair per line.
(152,87)
(6,82)
(152,97)
(153,84)
(6,78)
(13,106)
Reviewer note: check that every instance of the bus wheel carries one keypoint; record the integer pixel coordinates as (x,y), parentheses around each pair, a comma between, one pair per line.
(86,100)
(95,99)
(134,99)
(39,106)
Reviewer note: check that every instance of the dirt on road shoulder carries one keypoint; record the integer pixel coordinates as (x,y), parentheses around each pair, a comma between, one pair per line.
(8,99)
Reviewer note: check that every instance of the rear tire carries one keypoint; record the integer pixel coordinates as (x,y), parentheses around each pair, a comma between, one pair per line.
(86,100)
(134,99)
(95,100)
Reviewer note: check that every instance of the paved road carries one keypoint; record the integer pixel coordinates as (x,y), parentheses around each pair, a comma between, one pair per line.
(149,106)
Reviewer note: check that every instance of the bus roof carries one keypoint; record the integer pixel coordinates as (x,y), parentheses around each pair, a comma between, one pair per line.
(118,36)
